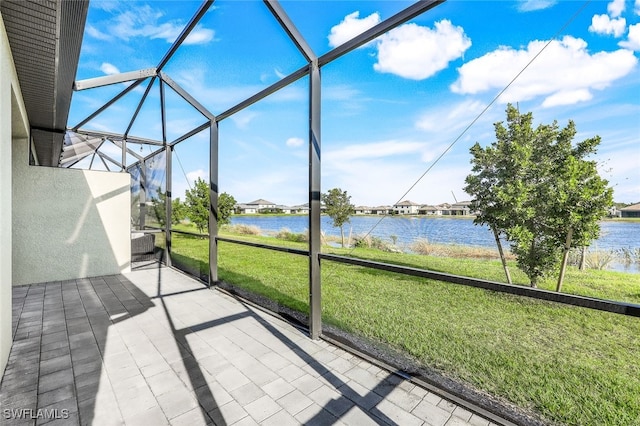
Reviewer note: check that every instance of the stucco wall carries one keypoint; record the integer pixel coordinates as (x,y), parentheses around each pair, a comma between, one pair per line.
(68,223)
(13,124)
(55,224)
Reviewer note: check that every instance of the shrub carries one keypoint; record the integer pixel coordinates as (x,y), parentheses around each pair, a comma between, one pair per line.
(369,241)
(629,255)
(244,229)
(599,259)
(424,247)
(286,234)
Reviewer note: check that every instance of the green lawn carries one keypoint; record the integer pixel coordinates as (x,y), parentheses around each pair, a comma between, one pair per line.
(570,365)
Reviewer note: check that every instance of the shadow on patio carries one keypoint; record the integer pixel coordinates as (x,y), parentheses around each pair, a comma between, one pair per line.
(156,347)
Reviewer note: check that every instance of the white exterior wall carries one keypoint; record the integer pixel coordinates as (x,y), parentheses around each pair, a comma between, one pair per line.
(55,224)
(13,124)
(68,223)
(406,209)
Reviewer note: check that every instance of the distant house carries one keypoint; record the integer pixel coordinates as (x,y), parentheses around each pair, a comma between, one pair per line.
(257,206)
(614,212)
(245,209)
(430,210)
(406,207)
(362,210)
(262,204)
(445,208)
(630,211)
(460,209)
(301,209)
(381,210)
(283,209)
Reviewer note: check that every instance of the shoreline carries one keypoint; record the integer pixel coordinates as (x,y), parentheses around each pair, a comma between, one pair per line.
(413,216)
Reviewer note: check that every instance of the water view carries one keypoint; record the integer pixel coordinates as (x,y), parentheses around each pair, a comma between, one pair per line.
(614,234)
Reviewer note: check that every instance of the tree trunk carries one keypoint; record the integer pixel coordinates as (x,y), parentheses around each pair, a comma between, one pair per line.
(342,235)
(502,258)
(534,281)
(563,266)
(583,258)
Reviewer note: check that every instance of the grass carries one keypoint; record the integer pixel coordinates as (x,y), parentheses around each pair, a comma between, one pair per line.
(570,365)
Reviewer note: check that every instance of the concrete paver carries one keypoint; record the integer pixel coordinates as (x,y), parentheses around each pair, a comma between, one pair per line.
(156,347)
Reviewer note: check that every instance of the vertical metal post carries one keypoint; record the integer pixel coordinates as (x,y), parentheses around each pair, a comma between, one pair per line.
(167,174)
(163,114)
(315,293)
(143,193)
(124,155)
(213,202)
(168,204)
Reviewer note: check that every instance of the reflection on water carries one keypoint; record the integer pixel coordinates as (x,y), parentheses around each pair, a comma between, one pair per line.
(614,235)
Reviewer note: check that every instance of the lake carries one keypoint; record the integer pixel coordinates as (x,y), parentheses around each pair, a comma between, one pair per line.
(440,230)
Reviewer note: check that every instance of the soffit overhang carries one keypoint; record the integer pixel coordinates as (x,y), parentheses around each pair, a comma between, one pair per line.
(45,38)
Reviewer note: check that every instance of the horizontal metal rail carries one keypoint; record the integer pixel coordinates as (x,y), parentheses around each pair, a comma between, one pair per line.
(622,308)
(264,246)
(148,230)
(194,234)
(162,229)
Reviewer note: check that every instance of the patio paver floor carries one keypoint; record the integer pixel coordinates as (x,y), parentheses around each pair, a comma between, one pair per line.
(156,347)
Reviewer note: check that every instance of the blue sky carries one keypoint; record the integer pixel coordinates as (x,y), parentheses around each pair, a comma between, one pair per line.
(391,108)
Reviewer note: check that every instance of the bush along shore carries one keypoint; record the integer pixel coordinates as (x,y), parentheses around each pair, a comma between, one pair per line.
(561,364)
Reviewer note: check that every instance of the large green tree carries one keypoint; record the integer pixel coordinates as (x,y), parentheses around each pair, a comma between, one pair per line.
(197,205)
(226,206)
(178,209)
(339,208)
(537,187)
(158,208)
(197,202)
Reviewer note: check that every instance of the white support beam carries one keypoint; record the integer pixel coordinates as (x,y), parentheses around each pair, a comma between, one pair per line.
(107,80)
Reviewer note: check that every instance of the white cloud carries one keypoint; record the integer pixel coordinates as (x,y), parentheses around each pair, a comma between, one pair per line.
(379,181)
(350,27)
(107,6)
(97,34)
(176,127)
(377,150)
(147,22)
(199,35)
(294,142)
(243,118)
(565,73)
(457,117)
(633,39)
(416,52)
(532,5)
(193,175)
(109,69)
(615,8)
(636,8)
(602,24)
(287,185)
(567,97)
(622,169)
(194,79)
(340,92)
